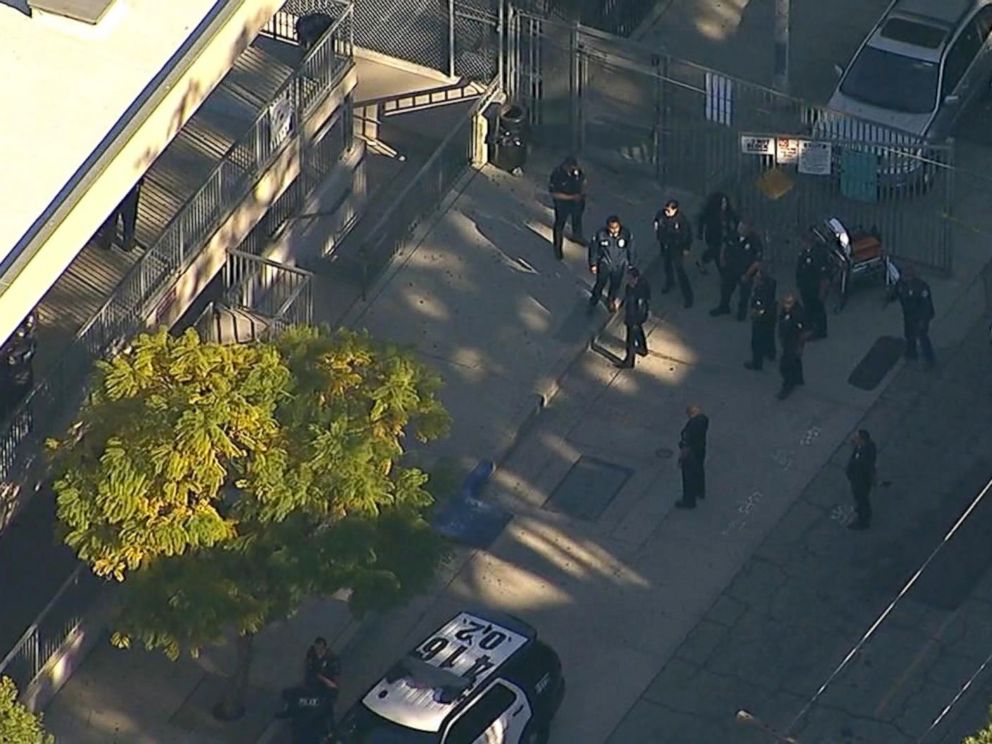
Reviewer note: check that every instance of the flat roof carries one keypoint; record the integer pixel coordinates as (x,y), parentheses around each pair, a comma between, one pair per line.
(65,86)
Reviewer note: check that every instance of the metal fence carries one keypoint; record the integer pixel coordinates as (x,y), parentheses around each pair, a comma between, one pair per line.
(461,38)
(424,194)
(786,163)
(146,285)
(277,293)
(53,627)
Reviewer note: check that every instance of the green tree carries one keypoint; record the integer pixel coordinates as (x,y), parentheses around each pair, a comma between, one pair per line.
(18,725)
(224,484)
(982,737)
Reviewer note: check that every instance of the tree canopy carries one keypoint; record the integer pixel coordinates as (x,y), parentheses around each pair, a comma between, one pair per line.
(982,737)
(223,484)
(18,725)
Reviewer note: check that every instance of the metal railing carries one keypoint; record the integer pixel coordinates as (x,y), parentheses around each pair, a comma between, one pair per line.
(52,628)
(279,294)
(148,284)
(424,194)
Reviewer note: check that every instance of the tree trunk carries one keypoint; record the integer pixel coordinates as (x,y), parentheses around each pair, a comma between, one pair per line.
(232,706)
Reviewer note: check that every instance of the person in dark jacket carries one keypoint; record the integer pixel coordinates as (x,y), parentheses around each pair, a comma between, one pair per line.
(567,185)
(636,307)
(861,476)
(716,225)
(692,457)
(674,233)
(611,255)
(739,260)
(917,311)
(813,281)
(126,213)
(792,335)
(764,314)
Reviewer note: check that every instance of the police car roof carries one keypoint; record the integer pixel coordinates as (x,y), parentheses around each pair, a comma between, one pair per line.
(425,687)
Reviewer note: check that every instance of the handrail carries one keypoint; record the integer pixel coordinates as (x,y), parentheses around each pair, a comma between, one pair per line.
(280,92)
(485,99)
(126,309)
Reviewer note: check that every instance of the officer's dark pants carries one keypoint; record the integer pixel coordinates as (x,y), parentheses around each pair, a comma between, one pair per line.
(762,342)
(674,267)
(126,212)
(917,334)
(693,480)
(609,277)
(862,502)
(712,252)
(791,368)
(816,311)
(636,343)
(729,281)
(565,211)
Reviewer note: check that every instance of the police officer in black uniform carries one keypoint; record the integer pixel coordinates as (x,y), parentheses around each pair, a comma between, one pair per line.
(568,191)
(764,313)
(611,255)
(813,281)
(692,457)
(739,259)
(861,476)
(792,335)
(636,307)
(674,233)
(917,311)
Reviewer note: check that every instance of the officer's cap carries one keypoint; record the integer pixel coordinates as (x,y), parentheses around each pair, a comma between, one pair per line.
(611,219)
(671,204)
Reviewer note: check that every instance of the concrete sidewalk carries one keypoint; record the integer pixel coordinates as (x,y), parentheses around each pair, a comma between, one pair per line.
(483,300)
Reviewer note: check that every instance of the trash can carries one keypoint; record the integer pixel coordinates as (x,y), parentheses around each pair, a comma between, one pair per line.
(511,138)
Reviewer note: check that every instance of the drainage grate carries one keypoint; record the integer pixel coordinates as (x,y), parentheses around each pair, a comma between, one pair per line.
(588,488)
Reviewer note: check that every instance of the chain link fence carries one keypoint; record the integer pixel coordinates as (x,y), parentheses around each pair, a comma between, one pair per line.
(785,163)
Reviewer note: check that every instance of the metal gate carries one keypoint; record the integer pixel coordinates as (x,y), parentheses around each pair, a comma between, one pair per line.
(786,163)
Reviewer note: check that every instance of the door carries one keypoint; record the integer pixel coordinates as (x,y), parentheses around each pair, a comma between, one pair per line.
(956,82)
(497,716)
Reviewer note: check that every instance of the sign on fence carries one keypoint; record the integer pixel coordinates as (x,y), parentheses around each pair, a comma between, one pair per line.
(787,150)
(815,158)
(280,119)
(751,145)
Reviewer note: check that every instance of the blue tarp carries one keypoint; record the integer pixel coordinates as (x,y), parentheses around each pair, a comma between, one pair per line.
(466,518)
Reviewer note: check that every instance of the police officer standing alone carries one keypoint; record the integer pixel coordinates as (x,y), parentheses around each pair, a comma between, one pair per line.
(792,335)
(636,306)
(692,457)
(861,476)
(674,233)
(611,255)
(739,260)
(813,281)
(568,191)
(763,316)
(917,311)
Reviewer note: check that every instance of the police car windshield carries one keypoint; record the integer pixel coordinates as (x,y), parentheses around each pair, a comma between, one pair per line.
(365,727)
(892,81)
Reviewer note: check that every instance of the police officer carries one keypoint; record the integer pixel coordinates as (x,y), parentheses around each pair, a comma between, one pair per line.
(917,311)
(861,476)
(674,233)
(813,281)
(636,306)
(692,457)
(611,255)
(792,336)
(763,316)
(568,191)
(739,259)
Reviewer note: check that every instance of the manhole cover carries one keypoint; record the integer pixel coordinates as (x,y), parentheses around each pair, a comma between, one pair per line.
(588,488)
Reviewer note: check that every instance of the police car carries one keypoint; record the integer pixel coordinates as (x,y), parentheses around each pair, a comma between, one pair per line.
(479,679)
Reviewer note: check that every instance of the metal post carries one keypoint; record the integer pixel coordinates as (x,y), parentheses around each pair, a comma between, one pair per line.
(451,38)
(500,36)
(575,88)
(782,45)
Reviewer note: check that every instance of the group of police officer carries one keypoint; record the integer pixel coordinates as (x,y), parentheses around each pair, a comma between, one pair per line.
(737,250)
